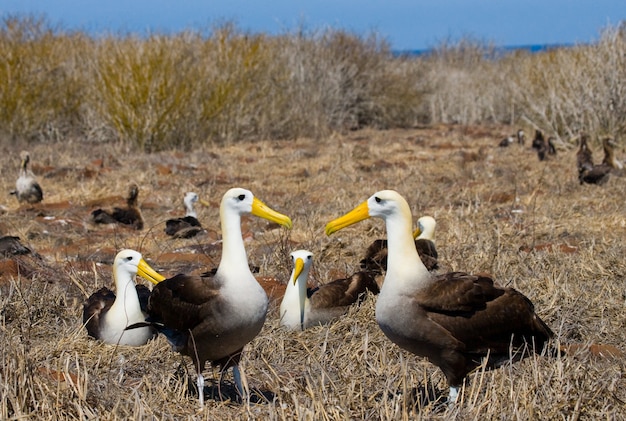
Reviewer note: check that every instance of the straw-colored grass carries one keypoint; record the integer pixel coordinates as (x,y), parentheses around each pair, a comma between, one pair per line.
(488,201)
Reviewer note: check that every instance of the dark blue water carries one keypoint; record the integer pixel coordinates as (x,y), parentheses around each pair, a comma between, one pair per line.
(535,48)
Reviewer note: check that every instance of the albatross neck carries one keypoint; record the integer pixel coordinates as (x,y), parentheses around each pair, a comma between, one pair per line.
(234,257)
(403,262)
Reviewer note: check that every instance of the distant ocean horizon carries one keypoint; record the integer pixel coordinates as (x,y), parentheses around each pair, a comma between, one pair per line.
(531,48)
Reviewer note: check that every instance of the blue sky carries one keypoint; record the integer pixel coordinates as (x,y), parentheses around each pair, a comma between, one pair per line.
(406,24)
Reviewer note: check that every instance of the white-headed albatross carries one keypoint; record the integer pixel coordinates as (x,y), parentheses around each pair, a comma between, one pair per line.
(106,314)
(27,189)
(211,318)
(187,226)
(304,307)
(455,319)
(375,260)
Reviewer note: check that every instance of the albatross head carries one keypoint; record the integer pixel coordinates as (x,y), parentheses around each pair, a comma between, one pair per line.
(241,201)
(25,158)
(386,204)
(190,199)
(403,265)
(425,228)
(129,263)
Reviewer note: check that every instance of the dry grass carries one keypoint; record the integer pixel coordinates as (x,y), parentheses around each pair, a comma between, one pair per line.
(224,85)
(488,202)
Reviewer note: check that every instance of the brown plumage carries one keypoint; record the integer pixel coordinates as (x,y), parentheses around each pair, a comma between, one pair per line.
(520,136)
(588,172)
(11,246)
(542,146)
(303,307)
(130,215)
(211,318)
(456,320)
(27,189)
(608,144)
(187,226)
(107,314)
(375,260)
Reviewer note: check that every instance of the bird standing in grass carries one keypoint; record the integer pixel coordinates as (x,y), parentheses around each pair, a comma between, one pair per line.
(211,318)
(456,319)
(304,307)
(27,189)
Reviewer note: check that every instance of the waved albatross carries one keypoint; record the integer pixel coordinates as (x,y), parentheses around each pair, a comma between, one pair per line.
(27,189)
(304,307)
(130,215)
(455,319)
(211,318)
(106,314)
(187,226)
(588,172)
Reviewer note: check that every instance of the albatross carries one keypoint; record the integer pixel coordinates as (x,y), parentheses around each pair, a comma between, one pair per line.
(455,319)
(187,226)
(375,260)
(304,307)
(211,318)
(27,189)
(588,172)
(106,314)
(130,215)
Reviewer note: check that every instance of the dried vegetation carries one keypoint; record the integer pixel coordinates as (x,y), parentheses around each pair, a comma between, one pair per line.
(223,86)
(277,115)
(500,210)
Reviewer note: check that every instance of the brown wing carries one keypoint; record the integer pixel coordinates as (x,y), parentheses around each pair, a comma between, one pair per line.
(185,227)
(598,174)
(375,259)
(482,316)
(11,246)
(458,292)
(143,292)
(182,302)
(343,292)
(428,253)
(128,216)
(95,308)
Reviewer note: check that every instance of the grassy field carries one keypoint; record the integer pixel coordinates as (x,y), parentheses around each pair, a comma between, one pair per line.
(499,210)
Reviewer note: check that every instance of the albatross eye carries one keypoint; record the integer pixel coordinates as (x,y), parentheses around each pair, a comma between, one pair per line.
(377,199)
(129,258)
(241,197)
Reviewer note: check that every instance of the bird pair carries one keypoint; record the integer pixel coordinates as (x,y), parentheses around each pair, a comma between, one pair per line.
(453,319)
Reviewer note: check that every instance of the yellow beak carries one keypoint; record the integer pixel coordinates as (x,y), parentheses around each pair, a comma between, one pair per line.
(204,203)
(417,232)
(261,210)
(297,270)
(357,214)
(146,272)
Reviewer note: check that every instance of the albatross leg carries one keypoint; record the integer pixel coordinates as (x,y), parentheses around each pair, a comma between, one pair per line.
(453,395)
(239,384)
(200,383)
